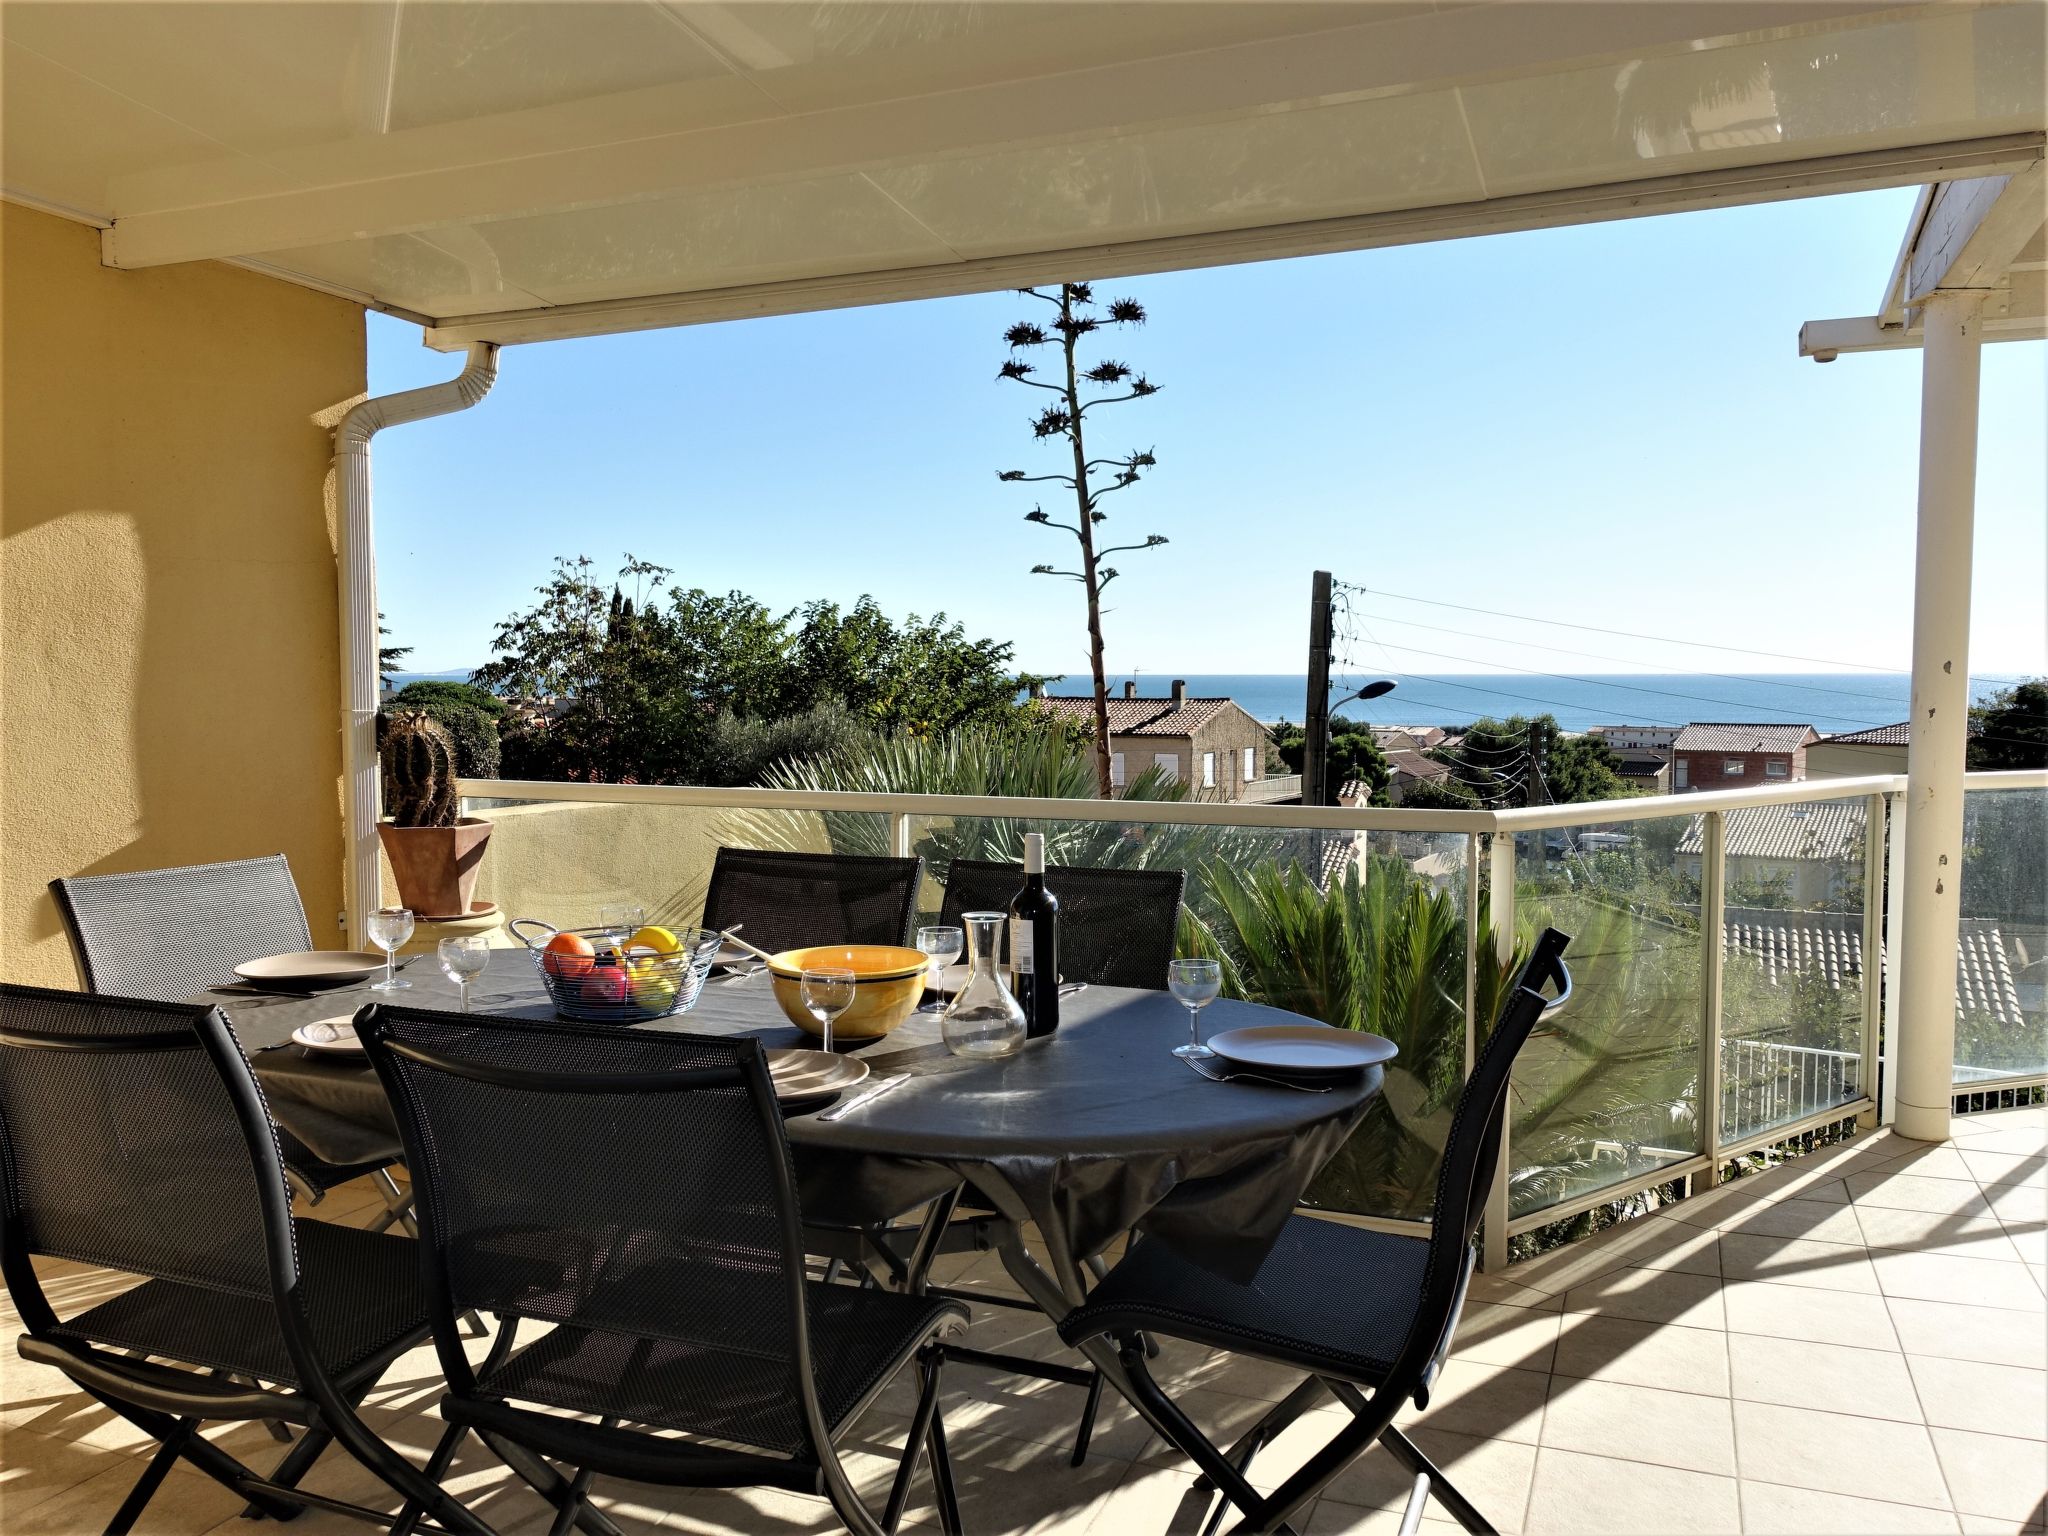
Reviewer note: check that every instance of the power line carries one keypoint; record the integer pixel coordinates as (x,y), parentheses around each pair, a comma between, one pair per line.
(1629,634)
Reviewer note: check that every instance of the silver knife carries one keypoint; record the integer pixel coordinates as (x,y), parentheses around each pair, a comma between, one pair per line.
(867,1095)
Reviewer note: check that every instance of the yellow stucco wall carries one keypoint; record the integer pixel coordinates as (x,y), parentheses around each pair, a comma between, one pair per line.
(169,670)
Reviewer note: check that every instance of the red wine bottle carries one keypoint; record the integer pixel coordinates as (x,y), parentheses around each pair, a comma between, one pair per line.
(1035,944)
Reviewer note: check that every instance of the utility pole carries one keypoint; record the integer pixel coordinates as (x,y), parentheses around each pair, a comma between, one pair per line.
(1315,725)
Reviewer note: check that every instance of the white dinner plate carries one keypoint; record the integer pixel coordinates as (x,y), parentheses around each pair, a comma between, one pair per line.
(308,970)
(799,1074)
(1302,1048)
(316,1036)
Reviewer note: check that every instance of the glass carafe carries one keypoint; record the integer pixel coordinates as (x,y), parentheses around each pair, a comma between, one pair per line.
(984,1019)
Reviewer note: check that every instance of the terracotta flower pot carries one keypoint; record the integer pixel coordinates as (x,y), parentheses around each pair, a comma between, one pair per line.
(436,867)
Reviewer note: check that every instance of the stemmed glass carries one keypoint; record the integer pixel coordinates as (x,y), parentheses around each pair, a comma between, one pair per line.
(389,927)
(828,992)
(1195,983)
(621,920)
(941,947)
(463,959)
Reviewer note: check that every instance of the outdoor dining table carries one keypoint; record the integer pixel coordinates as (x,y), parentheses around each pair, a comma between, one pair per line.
(1089,1134)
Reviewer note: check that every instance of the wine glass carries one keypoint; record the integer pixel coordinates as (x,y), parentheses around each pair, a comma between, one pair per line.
(941,947)
(1195,983)
(621,920)
(463,959)
(388,928)
(828,992)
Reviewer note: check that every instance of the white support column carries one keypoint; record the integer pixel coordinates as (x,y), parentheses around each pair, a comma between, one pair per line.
(1926,1016)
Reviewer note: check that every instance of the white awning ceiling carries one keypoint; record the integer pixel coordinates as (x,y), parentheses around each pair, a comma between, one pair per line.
(510,172)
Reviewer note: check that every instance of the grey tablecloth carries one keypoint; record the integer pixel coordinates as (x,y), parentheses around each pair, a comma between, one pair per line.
(1092,1133)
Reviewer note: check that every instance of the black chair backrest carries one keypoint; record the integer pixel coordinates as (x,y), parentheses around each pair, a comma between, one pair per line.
(789,900)
(1472,1149)
(1117,926)
(126,1132)
(631,1182)
(168,933)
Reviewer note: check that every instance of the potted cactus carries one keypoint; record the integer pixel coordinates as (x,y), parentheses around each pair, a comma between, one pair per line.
(435,850)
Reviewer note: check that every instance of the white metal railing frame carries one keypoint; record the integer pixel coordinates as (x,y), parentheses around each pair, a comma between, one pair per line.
(1491,839)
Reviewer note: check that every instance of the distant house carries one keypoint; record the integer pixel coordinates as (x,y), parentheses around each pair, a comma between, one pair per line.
(1409,769)
(1812,850)
(1727,755)
(1849,756)
(1637,738)
(1210,744)
(1407,738)
(1647,773)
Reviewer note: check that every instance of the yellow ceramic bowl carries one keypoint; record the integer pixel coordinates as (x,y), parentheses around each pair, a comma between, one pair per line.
(887,982)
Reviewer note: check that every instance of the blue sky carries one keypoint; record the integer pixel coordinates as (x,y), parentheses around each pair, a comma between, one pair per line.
(1608,425)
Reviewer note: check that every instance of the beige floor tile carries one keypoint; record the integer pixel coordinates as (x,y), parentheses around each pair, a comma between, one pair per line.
(1800,1312)
(1493,1474)
(1815,1220)
(1993,1474)
(1643,1354)
(1800,1373)
(2026,1143)
(1332,1517)
(1795,1261)
(1154,1501)
(1491,1401)
(1937,1277)
(1223,1417)
(1992,1399)
(187,1504)
(1976,1237)
(2030,1238)
(1577,1495)
(1769,1509)
(1504,1291)
(1931,1162)
(1955,1331)
(1909,1192)
(2009,1169)
(2022,1202)
(1647,1243)
(1670,1429)
(1651,1296)
(1991,1525)
(1516,1336)
(39,1467)
(1838,1453)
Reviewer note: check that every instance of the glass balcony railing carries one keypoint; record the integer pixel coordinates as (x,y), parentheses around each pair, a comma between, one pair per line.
(1725,946)
(2002,963)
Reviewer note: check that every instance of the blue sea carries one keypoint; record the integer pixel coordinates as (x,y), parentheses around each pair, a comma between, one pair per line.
(1831,702)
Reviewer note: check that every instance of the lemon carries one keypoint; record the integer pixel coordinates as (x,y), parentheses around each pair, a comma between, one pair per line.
(653,991)
(660,940)
(641,959)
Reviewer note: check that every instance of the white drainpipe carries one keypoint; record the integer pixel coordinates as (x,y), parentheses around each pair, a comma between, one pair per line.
(1933,864)
(357,567)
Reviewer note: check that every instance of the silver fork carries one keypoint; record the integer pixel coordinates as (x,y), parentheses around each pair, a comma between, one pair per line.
(1249,1077)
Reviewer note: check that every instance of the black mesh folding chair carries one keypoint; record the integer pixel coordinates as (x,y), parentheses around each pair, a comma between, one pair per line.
(171,933)
(133,1136)
(789,900)
(1353,1308)
(632,1190)
(1117,926)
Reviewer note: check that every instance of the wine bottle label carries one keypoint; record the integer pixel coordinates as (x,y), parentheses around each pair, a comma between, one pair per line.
(1020,944)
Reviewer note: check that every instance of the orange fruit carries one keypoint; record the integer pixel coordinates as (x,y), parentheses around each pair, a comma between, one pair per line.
(568,954)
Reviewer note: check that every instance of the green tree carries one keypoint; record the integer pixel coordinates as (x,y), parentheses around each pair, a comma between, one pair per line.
(1526,760)
(389,656)
(2010,729)
(1064,419)
(646,683)
(471,714)
(1353,754)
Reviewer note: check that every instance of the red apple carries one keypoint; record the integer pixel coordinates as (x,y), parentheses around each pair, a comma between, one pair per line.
(605,986)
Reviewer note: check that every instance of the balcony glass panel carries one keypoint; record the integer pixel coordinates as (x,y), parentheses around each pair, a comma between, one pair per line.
(2002,966)
(1607,1092)
(560,860)
(1792,964)
(1365,929)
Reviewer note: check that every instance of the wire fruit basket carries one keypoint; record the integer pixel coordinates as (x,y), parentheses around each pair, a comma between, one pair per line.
(596,977)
